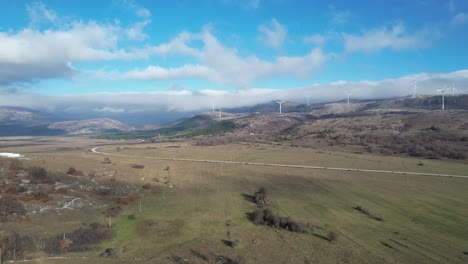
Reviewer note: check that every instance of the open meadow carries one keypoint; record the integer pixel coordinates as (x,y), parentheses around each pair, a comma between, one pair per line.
(201,212)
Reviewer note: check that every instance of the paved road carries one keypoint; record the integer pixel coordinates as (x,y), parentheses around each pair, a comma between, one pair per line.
(95,150)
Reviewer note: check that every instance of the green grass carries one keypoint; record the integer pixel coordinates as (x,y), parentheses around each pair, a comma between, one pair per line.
(427,215)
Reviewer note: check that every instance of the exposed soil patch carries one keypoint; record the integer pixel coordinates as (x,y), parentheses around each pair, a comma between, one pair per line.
(146,228)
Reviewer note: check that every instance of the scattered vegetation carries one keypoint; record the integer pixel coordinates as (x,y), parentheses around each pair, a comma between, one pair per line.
(14,246)
(262,215)
(11,209)
(218,128)
(323,134)
(368,213)
(138,166)
(424,144)
(210,257)
(79,240)
(263,197)
(74,172)
(113,211)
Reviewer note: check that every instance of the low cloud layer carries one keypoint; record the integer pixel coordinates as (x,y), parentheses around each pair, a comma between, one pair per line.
(186,101)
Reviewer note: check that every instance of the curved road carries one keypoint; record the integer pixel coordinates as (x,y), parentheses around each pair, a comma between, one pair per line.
(95,150)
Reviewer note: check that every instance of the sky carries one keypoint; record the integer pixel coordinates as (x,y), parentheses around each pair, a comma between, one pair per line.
(181,56)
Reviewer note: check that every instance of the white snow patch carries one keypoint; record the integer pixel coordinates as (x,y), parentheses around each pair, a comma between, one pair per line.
(10,155)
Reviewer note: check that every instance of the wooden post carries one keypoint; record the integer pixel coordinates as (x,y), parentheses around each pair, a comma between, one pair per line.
(110,221)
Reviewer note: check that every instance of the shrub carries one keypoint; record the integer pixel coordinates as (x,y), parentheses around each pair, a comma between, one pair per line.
(263,197)
(332,236)
(71,171)
(38,174)
(113,211)
(11,188)
(131,217)
(107,160)
(9,208)
(264,216)
(138,166)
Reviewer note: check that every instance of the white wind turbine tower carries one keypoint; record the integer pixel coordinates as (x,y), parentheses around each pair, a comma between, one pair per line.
(213,107)
(414,89)
(280,104)
(220,112)
(348,94)
(443,99)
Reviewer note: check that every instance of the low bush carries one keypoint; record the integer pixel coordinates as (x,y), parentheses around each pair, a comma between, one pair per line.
(39,175)
(113,211)
(332,236)
(263,197)
(264,216)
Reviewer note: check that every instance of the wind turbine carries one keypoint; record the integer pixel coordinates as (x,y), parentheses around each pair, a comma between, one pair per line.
(220,112)
(280,104)
(414,89)
(213,107)
(443,103)
(348,94)
(453,89)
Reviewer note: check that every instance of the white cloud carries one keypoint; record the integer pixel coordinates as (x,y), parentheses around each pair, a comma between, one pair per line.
(39,13)
(30,53)
(395,38)
(339,17)
(273,36)
(221,64)
(254,4)
(109,110)
(179,45)
(143,12)
(202,100)
(459,19)
(316,39)
(186,71)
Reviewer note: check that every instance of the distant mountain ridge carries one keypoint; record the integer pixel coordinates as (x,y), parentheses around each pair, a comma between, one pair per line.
(20,121)
(90,126)
(23,116)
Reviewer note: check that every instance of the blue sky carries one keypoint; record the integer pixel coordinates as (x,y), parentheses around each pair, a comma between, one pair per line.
(167,53)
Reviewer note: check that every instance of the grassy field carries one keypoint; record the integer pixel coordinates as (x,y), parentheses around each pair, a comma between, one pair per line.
(424,217)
